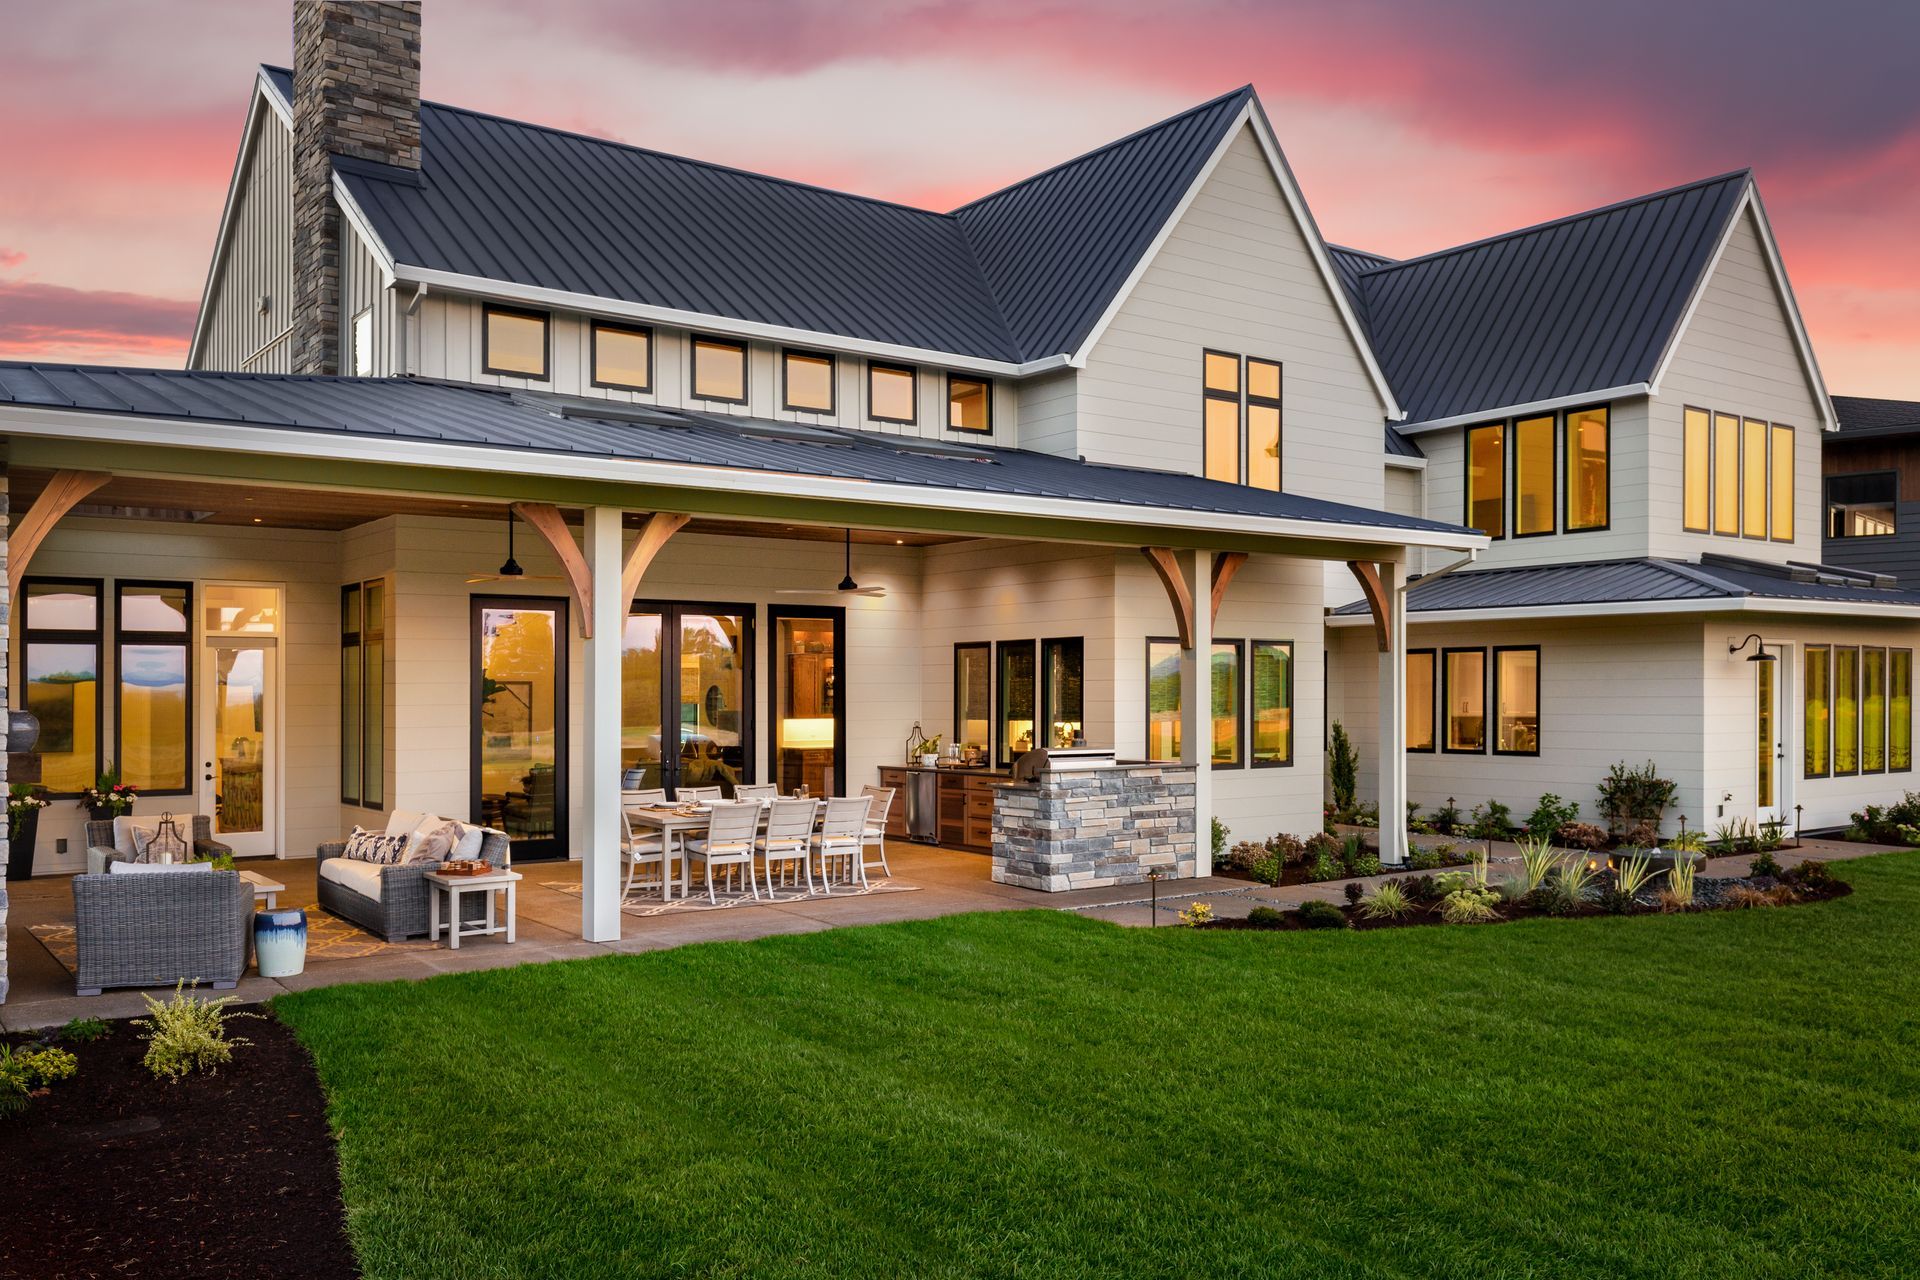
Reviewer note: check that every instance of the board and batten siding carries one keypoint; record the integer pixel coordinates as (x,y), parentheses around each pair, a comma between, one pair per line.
(445,342)
(1236,274)
(306,565)
(1737,355)
(256,262)
(363,288)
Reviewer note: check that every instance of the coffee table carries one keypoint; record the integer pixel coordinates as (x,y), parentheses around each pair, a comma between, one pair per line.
(266,893)
(451,887)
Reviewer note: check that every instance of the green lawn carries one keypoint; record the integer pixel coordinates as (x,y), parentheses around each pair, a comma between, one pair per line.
(1037,1094)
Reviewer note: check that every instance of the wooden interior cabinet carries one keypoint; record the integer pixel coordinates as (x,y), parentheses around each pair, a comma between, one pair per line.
(979,832)
(897,814)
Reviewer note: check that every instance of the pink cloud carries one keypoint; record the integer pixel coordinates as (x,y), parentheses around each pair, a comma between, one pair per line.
(36,317)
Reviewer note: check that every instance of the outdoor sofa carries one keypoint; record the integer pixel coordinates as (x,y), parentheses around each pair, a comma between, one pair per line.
(391,899)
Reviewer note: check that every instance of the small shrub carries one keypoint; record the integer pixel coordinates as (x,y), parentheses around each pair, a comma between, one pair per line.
(187,1034)
(1470,904)
(1427,859)
(1447,819)
(1266,917)
(1450,856)
(1289,849)
(1366,815)
(1416,823)
(1815,876)
(1631,874)
(1685,841)
(1491,821)
(24,1070)
(1744,897)
(1325,858)
(1321,915)
(1537,858)
(1615,901)
(85,1030)
(1424,889)
(1580,835)
(1566,889)
(1220,833)
(1195,914)
(1354,890)
(1244,854)
(1737,836)
(1773,834)
(1267,870)
(1765,865)
(1881,824)
(1343,768)
(1358,858)
(1678,895)
(1388,901)
(1630,797)
(1551,814)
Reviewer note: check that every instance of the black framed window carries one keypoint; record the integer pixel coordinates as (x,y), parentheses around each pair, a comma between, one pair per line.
(1864,505)
(1220,416)
(1516,700)
(1486,486)
(1014,698)
(892,393)
(806,381)
(1263,424)
(1533,476)
(1587,446)
(1738,476)
(1421,687)
(363,693)
(60,635)
(1817,707)
(808,744)
(1270,685)
(719,370)
(969,404)
(622,356)
(514,342)
(973,695)
(1063,712)
(153,693)
(1228,718)
(1463,697)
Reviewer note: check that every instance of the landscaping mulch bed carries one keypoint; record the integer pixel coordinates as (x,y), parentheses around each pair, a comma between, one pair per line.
(114,1173)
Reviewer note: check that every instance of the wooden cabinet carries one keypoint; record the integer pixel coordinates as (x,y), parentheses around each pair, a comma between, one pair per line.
(953,809)
(963,806)
(897,814)
(980,813)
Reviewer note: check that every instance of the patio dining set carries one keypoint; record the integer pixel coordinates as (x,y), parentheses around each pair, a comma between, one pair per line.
(758,834)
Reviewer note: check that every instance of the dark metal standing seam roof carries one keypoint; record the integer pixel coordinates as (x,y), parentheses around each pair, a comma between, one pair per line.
(455,413)
(1635,582)
(1019,275)
(1862,416)
(1348,264)
(1582,304)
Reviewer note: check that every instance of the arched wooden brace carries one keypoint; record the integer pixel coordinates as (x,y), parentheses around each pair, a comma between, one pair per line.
(1369,577)
(1168,567)
(65,491)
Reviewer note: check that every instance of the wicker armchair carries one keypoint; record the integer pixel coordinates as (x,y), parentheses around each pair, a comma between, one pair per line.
(401,910)
(101,854)
(159,929)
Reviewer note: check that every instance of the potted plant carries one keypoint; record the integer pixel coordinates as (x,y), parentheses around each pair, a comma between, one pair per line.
(109,798)
(23,826)
(928,749)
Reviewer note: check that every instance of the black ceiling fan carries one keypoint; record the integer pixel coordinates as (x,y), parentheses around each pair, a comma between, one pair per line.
(511,570)
(847,585)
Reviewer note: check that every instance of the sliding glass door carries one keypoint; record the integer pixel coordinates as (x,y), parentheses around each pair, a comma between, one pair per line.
(686,674)
(809,716)
(520,722)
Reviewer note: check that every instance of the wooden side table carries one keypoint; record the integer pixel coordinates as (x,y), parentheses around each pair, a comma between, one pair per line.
(453,887)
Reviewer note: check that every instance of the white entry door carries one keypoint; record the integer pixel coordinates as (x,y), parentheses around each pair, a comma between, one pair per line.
(1771,782)
(239,742)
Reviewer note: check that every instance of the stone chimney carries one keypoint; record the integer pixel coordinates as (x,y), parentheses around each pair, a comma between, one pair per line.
(356,92)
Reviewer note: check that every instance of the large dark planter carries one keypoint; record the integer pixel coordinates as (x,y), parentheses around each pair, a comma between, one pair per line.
(20,848)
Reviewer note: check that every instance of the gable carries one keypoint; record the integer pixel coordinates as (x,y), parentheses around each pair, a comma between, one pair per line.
(253,255)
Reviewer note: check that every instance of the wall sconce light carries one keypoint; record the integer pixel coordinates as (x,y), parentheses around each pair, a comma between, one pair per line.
(1759,654)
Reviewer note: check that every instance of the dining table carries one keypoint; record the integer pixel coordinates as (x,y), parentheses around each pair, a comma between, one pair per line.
(675,821)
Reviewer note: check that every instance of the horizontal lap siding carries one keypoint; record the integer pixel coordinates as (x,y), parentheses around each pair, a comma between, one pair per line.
(1236,275)
(258,261)
(1737,356)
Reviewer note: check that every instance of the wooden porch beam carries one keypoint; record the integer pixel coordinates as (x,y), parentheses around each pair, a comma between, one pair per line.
(660,527)
(65,491)
(1167,565)
(1368,575)
(1225,565)
(551,526)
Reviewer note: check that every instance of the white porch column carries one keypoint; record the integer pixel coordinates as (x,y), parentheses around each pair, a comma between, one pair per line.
(1393,718)
(1196,704)
(600,770)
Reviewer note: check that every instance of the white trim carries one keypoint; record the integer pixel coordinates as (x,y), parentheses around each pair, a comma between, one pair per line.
(1283,174)
(101,428)
(1631,391)
(1405,463)
(350,210)
(1640,608)
(281,107)
(1809,364)
(242,164)
(613,308)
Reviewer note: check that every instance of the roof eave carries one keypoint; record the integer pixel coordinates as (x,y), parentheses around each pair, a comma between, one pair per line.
(1630,391)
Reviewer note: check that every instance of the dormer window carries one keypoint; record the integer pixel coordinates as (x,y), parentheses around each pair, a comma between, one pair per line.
(622,357)
(514,343)
(807,379)
(890,393)
(969,404)
(720,370)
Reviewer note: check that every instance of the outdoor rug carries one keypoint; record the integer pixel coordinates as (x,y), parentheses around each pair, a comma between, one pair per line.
(697,901)
(328,938)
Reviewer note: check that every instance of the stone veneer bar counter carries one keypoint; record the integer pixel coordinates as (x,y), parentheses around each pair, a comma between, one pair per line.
(1081,827)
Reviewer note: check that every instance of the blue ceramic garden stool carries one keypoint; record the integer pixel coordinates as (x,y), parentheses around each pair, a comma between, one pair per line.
(280,942)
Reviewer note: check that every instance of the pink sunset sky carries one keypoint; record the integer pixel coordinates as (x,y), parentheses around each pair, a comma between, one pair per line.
(1412,126)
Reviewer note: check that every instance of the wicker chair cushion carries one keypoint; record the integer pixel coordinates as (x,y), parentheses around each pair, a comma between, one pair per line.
(381,850)
(122,867)
(363,878)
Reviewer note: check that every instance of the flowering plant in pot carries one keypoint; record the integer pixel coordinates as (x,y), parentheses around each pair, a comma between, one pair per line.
(109,797)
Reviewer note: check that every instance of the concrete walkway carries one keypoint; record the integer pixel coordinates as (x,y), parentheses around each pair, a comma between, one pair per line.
(947,882)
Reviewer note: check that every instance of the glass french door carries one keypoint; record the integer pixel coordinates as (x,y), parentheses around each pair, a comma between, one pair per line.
(519,763)
(809,715)
(240,743)
(686,676)
(1770,736)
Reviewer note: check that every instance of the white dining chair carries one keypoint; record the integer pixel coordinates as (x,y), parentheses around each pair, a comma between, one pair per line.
(842,828)
(756,791)
(876,830)
(728,842)
(641,851)
(787,840)
(697,793)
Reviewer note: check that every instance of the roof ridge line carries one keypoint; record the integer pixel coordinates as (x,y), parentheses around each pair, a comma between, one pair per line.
(1359,253)
(1102,148)
(1615,207)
